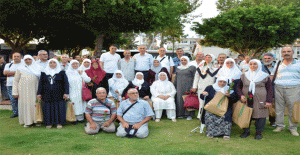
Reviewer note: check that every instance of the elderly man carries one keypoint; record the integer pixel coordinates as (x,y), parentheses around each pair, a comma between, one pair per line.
(9,71)
(268,67)
(133,115)
(287,84)
(100,113)
(126,65)
(64,62)
(43,59)
(177,60)
(70,59)
(109,61)
(165,61)
(78,58)
(241,59)
(199,59)
(244,66)
(221,59)
(143,61)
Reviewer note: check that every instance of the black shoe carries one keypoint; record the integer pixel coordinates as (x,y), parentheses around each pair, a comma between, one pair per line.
(75,123)
(258,136)
(80,121)
(14,115)
(245,135)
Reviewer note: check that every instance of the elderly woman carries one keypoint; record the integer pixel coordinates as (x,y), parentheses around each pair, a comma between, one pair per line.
(142,86)
(76,77)
(98,79)
(183,83)
(216,125)
(155,70)
(117,84)
(204,77)
(163,93)
(25,87)
(86,64)
(53,90)
(256,83)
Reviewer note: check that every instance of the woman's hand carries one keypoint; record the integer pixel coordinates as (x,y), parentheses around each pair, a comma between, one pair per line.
(146,98)
(80,72)
(16,96)
(39,97)
(123,98)
(204,93)
(90,84)
(227,94)
(243,98)
(161,97)
(194,90)
(268,105)
(66,97)
(117,91)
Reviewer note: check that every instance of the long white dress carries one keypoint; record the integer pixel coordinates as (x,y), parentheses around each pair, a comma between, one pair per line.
(75,88)
(117,84)
(201,83)
(163,88)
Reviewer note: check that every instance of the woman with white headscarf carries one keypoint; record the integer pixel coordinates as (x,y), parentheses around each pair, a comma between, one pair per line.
(204,76)
(141,85)
(24,88)
(76,79)
(230,70)
(163,93)
(117,84)
(86,64)
(53,90)
(183,83)
(256,84)
(216,125)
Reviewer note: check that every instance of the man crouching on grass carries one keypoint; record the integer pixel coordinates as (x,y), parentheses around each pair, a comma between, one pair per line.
(134,115)
(100,114)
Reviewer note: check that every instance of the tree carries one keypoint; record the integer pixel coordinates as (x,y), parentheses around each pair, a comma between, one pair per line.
(130,41)
(251,31)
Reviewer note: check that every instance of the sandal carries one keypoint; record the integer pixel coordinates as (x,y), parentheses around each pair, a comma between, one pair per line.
(49,126)
(174,120)
(226,137)
(59,126)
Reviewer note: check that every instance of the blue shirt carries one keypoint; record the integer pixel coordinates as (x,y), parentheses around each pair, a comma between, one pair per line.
(143,63)
(270,68)
(177,62)
(288,75)
(136,113)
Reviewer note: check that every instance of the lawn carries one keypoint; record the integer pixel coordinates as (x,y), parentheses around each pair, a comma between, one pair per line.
(165,137)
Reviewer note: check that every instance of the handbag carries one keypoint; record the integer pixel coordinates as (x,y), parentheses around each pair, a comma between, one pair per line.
(38,112)
(242,114)
(218,105)
(70,116)
(191,101)
(296,112)
(86,93)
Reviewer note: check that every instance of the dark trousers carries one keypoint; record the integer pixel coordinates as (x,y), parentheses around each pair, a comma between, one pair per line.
(272,119)
(259,124)
(109,75)
(144,72)
(4,89)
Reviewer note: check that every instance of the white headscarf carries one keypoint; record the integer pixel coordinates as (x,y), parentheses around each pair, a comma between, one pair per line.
(230,73)
(223,89)
(255,76)
(138,82)
(212,57)
(187,65)
(82,67)
(71,71)
(116,81)
(32,69)
(50,71)
(163,85)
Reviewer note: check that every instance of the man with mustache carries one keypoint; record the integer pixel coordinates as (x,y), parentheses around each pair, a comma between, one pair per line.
(287,92)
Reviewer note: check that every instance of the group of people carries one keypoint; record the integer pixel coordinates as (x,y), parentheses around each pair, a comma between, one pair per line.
(136,89)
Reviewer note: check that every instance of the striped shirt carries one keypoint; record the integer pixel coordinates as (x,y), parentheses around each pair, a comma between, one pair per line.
(288,75)
(98,111)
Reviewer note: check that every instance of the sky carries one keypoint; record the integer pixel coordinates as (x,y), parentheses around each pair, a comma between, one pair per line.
(208,9)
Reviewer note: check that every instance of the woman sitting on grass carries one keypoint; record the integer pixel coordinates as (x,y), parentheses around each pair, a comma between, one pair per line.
(216,125)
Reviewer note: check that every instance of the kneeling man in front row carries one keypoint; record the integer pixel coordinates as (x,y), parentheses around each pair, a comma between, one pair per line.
(100,113)
(134,115)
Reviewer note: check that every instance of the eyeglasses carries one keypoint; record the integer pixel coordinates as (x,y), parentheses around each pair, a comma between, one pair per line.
(134,93)
(229,62)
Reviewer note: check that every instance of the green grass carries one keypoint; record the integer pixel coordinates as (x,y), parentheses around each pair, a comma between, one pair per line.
(165,137)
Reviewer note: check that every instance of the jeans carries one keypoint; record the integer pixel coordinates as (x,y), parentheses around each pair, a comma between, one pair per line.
(3,89)
(13,101)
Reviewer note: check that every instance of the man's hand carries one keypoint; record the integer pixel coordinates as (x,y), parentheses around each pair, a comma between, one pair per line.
(137,125)
(146,98)
(39,97)
(204,93)
(125,125)
(194,90)
(106,124)
(268,105)
(16,96)
(123,98)
(93,126)
(66,97)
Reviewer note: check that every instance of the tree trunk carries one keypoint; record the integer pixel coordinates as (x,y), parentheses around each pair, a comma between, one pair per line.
(173,42)
(98,45)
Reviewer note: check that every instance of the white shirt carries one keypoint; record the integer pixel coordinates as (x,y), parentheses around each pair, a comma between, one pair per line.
(167,62)
(110,62)
(143,63)
(12,68)
(194,63)
(42,64)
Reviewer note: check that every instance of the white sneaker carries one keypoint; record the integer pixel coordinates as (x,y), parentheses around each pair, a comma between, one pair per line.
(38,124)
(202,127)
(189,118)
(157,120)
(26,126)
(294,133)
(174,120)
